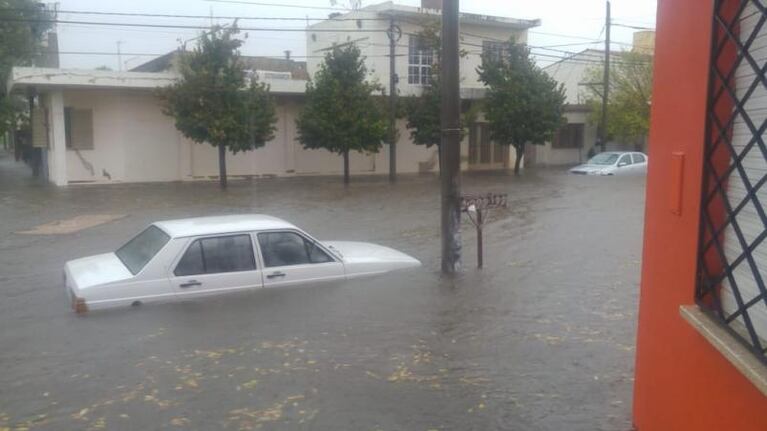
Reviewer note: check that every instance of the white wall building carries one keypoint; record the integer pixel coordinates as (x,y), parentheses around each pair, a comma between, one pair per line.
(105,126)
(577,72)
(368,30)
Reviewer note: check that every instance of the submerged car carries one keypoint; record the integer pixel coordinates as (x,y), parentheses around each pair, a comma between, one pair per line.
(194,257)
(613,163)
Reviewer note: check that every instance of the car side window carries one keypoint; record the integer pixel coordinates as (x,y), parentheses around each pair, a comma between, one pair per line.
(639,158)
(289,248)
(626,159)
(215,255)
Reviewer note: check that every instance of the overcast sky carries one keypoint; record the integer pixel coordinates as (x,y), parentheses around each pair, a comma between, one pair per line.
(563,22)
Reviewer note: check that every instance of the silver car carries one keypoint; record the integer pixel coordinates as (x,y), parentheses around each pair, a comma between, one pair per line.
(614,163)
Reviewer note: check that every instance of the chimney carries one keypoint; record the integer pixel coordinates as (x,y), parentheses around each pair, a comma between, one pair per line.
(431,4)
(287,54)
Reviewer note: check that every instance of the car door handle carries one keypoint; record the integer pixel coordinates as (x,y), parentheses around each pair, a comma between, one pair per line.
(276,274)
(190,283)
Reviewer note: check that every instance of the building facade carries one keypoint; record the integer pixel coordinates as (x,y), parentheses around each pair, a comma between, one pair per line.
(106,126)
(701,362)
(572,144)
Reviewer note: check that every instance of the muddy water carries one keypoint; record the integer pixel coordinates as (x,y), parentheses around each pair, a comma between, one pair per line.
(541,339)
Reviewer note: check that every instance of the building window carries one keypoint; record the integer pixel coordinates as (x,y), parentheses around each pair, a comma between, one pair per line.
(732,254)
(494,50)
(78,127)
(420,59)
(569,136)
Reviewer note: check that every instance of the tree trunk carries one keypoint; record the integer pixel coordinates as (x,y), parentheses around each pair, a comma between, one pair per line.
(520,152)
(222,166)
(346,166)
(439,158)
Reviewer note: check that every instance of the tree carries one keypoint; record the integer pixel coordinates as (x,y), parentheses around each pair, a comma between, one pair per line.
(25,23)
(628,107)
(423,112)
(523,104)
(214,103)
(341,114)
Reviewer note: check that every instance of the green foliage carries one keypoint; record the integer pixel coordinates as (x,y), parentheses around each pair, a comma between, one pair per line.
(523,104)
(423,112)
(19,42)
(341,114)
(628,107)
(214,103)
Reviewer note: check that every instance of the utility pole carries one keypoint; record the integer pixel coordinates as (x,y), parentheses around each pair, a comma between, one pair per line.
(450,165)
(119,56)
(605,81)
(394,34)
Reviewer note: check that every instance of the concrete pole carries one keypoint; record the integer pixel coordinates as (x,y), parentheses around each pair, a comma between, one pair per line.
(450,151)
(392,103)
(605,81)
(57,151)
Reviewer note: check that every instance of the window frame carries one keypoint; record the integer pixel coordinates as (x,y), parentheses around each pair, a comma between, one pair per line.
(306,237)
(257,264)
(575,134)
(69,118)
(494,50)
(415,50)
(631,160)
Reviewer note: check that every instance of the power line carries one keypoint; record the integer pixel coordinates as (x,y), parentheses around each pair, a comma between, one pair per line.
(244,18)
(146,54)
(633,27)
(560,35)
(190,27)
(280,5)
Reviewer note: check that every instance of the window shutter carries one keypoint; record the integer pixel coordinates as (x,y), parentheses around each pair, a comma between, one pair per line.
(80,130)
(751,272)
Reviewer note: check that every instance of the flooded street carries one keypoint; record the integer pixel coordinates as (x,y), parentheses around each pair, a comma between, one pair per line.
(541,339)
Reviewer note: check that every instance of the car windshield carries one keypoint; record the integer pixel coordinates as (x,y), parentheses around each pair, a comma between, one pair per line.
(604,159)
(142,248)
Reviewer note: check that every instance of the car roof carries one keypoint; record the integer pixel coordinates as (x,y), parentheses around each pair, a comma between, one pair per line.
(221,224)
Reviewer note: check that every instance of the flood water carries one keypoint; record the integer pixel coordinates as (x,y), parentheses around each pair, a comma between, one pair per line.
(541,339)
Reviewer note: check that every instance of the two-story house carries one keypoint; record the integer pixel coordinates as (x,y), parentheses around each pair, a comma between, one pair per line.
(413,60)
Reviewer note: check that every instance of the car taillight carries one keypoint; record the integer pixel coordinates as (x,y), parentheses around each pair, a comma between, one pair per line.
(79,305)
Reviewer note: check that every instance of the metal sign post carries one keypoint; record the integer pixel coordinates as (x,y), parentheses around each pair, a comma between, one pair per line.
(477,208)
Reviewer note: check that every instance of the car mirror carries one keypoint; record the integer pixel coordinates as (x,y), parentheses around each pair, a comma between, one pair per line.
(622,164)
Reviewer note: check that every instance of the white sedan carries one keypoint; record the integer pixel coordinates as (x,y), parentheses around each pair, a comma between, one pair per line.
(194,257)
(614,163)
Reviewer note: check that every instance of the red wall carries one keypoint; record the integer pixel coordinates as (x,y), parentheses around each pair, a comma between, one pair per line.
(682,383)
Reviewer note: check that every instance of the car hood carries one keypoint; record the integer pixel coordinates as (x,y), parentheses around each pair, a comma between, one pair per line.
(590,169)
(362,258)
(96,270)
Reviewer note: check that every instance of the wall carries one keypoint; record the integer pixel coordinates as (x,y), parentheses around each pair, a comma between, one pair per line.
(135,142)
(132,139)
(682,382)
(547,156)
(573,72)
(374,46)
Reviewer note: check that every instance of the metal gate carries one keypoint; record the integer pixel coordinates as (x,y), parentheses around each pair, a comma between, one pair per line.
(732,257)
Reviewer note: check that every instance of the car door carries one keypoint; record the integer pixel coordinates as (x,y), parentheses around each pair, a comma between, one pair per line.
(216,264)
(624,165)
(640,163)
(291,258)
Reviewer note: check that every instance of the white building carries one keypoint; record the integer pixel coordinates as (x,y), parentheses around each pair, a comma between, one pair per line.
(105,126)
(575,139)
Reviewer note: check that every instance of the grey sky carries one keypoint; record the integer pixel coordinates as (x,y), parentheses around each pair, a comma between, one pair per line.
(574,21)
